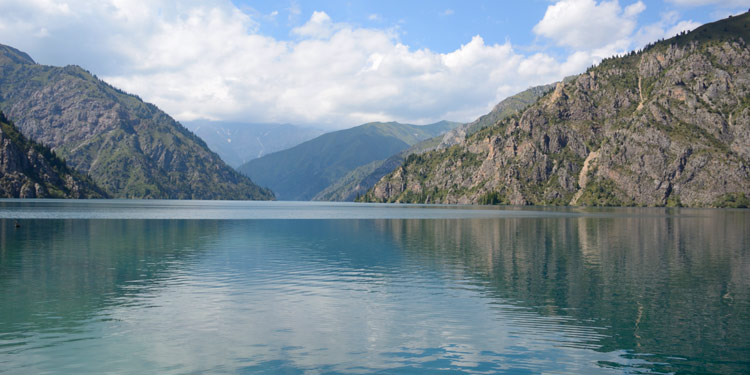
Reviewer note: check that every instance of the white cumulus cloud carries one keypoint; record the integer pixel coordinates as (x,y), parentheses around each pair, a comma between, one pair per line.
(320,25)
(668,26)
(586,24)
(207,59)
(723,3)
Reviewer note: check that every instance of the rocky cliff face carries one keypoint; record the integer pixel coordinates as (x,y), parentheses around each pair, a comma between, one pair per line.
(130,148)
(666,126)
(357,182)
(507,107)
(31,170)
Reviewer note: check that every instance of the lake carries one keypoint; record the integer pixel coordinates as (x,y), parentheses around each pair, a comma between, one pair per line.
(198,287)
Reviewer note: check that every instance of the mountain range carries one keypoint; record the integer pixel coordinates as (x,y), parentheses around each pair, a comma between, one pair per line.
(303,171)
(357,182)
(129,148)
(668,125)
(239,142)
(665,126)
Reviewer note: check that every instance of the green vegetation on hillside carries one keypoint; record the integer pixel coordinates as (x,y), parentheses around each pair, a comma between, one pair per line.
(665,126)
(128,147)
(355,184)
(239,142)
(29,169)
(301,172)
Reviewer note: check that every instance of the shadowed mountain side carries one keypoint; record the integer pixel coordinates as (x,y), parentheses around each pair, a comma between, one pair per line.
(239,142)
(303,171)
(32,170)
(360,180)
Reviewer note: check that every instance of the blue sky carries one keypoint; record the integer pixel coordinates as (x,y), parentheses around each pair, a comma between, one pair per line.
(438,25)
(338,63)
(442,25)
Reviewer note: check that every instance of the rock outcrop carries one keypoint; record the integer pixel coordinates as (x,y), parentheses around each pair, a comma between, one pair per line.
(669,125)
(357,182)
(31,170)
(507,107)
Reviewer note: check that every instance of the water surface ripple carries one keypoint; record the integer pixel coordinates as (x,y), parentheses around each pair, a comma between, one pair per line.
(171,287)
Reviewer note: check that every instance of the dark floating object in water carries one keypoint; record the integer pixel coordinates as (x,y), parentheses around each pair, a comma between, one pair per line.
(17,224)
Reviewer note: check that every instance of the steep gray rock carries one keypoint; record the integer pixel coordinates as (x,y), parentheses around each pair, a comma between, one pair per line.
(507,107)
(31,170)
(357,182)
(666,126)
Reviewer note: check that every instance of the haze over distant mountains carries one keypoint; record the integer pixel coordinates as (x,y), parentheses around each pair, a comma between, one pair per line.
(669,125)
(129,148)
(301,172)
(239,142)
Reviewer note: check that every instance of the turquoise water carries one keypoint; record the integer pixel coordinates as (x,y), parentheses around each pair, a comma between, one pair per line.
(185,287)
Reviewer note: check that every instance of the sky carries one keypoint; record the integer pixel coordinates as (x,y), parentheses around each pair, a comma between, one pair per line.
(336,64)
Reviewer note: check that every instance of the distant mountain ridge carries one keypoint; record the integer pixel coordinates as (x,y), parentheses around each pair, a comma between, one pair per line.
(239,142)
(507,107)
(666,126)
(301,172)
(128,147)
(357,182)
(32,170)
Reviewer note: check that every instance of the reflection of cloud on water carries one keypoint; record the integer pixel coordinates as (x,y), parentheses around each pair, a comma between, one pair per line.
(264,297)
(73,268)
(558,294)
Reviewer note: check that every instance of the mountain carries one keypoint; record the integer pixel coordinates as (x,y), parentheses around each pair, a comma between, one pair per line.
(128,147)
(668,125)
(301,172)
(31,170)
(505,108)
(357,182)
(238,142)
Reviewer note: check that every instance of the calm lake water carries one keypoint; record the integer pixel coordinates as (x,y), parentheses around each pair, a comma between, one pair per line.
(185,287)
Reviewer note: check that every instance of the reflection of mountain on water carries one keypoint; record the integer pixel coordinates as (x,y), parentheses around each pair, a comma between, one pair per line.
(659,284)
(55,273)
(516,293)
